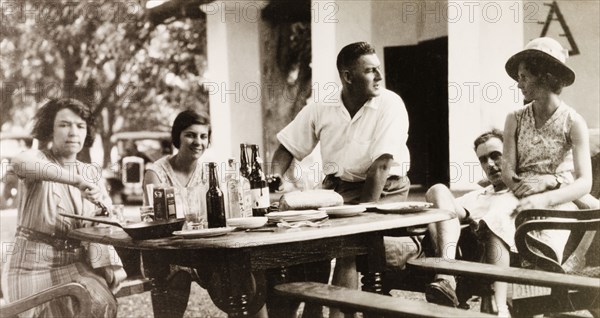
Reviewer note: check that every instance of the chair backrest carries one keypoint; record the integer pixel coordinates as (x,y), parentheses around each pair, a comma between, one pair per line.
(583,224)
(74,290)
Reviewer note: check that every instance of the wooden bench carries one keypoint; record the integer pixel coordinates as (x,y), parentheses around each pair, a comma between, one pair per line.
(351,301)
(569,292)
(505,274)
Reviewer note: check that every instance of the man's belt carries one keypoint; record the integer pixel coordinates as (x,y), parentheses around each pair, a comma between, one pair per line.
(59,243)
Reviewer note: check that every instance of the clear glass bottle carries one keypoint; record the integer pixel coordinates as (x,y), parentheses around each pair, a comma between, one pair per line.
(234,195)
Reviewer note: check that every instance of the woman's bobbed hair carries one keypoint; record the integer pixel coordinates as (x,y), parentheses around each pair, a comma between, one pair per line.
(43,125)
(184,120)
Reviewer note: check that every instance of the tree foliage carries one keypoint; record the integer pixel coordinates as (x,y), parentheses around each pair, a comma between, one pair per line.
(288,46)
(135,67)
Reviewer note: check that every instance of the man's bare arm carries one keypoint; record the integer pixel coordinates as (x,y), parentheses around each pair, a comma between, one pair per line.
(282,159)
(376,177)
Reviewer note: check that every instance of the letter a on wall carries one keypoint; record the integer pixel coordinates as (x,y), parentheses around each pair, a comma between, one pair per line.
(555,10)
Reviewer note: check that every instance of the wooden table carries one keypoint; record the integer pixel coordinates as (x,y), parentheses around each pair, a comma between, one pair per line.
(228,261)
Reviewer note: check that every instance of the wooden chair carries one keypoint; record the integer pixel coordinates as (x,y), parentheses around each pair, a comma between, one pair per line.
(131,286)
(570,291)
(134,285)
(580,258)
(352,301)
(75,290)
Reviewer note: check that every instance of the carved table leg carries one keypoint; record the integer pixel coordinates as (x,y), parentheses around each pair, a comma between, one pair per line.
(232,285)
(170,291)
(372,266)
(279,306)
(372,282)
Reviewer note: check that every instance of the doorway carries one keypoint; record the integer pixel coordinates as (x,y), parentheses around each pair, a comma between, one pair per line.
(419,74)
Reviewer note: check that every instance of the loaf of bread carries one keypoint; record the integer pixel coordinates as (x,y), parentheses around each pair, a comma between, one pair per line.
(311,199)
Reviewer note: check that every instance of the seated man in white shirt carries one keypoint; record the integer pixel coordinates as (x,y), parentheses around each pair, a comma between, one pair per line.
(469,208)
(363,135)
(473,206)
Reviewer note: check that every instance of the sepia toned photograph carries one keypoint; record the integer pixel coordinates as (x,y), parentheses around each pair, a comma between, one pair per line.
(300,158)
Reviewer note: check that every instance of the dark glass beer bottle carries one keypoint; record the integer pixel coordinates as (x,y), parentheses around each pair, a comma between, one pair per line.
(246,210)
(244,166)
(215,203)
(258,186)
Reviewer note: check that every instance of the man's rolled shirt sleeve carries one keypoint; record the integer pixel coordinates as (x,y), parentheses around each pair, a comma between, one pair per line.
(391,136)
(299,137)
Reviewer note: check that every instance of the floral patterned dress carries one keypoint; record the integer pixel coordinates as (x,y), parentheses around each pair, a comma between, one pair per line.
(543,150)
(163,169)
(196,183)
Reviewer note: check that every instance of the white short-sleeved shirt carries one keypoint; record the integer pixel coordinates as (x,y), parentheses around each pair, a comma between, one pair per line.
(478,202)
(350,145)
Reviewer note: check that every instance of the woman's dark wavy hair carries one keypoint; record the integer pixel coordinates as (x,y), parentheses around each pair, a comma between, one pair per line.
(184,120)
(545,73)
(494,133)
(43,125)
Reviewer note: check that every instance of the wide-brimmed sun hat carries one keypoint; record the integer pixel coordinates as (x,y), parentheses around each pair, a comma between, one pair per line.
(547,49)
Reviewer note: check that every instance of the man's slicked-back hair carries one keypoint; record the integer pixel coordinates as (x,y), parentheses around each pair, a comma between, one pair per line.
(351,52)
(494,133)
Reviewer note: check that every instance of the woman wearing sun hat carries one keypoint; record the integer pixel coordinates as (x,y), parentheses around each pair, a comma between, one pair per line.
(546,153)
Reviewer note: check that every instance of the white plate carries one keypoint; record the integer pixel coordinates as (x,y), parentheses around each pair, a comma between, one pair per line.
(296,215)
(369,205)
(247,223)
(291,213)
(404,206)
(204,232)
(344,210)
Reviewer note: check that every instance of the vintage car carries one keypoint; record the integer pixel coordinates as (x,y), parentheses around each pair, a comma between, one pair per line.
(131,153)
(10,145)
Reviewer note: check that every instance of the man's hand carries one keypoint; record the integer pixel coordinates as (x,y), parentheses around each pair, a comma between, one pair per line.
(533,185)
(275,183)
